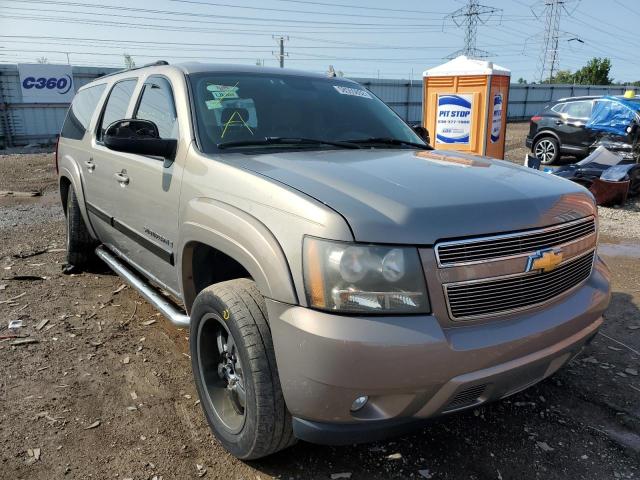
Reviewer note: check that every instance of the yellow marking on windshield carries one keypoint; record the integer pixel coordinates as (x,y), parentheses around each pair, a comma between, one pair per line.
(231,121)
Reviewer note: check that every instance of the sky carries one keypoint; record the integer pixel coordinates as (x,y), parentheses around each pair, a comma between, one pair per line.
(361,38)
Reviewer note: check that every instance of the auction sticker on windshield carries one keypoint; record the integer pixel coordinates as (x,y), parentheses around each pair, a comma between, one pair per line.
(454,119)
(354,92)
(221,92)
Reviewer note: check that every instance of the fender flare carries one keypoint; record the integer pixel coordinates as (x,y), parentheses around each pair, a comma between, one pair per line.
(545,133)
(69,169)
(238,235)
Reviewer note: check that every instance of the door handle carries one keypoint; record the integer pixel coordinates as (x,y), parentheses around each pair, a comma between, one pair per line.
(122,178)
(90,165)
(559,122)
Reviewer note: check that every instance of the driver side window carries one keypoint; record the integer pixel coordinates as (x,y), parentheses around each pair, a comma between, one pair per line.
(157,105)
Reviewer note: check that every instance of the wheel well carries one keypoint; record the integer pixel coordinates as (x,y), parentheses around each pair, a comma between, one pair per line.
(204,265)
(65,184)
(544,133)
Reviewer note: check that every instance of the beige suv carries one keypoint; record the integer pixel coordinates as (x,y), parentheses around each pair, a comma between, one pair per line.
(342,281)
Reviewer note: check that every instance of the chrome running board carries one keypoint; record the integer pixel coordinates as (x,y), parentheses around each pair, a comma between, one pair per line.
(166,307)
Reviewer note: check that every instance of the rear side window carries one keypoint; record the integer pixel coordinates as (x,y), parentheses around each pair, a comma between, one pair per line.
(117,103)
(558,108)
(579,109)
(81,111)
(157,105)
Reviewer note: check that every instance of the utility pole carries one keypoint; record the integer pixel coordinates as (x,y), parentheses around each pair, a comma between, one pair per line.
(548,63)
(469,16)
(280,56)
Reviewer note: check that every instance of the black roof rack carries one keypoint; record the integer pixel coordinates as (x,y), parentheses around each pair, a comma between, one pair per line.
(153,64)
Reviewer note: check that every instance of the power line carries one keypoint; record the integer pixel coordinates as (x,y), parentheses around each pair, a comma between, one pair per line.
(469,16)
(627,8)
(360,7)
(209,4)
(184,28)
(304,56)
(203,15)
(100,14)
(593,23)
(288,10)
(161,45)
(218,19)
(140,54)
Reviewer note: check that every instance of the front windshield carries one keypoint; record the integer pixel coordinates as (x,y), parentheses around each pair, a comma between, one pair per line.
(242,110)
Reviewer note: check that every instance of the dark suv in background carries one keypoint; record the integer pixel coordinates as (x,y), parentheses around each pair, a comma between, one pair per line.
(560,129)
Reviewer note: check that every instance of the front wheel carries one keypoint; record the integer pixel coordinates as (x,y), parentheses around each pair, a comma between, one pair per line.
(235,371)
(547,149)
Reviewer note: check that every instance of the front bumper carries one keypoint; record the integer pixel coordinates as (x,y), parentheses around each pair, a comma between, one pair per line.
(412,368)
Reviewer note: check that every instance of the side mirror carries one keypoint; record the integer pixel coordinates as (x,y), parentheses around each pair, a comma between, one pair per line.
(423,133)
(139,136)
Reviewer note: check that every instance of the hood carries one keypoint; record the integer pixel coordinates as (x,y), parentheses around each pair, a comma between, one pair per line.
(419,197)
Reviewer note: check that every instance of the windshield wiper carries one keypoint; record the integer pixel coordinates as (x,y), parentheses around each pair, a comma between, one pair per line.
(285,141)
(387,141)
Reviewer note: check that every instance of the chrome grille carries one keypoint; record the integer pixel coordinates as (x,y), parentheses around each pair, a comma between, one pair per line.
(523,243)
(491,296)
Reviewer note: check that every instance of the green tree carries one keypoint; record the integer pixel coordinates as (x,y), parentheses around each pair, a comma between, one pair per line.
(563,76)
(596,72)
(522,81)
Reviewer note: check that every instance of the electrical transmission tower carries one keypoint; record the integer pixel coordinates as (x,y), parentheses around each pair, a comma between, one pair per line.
(548,64)
(470,16)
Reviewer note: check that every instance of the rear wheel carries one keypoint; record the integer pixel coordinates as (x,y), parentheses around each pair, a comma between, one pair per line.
(547,149)
(80,245)
(235,371)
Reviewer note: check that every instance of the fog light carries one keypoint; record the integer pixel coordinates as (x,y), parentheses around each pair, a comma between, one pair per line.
(359,402)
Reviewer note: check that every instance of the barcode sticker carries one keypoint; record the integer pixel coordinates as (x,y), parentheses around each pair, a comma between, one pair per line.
(354,92)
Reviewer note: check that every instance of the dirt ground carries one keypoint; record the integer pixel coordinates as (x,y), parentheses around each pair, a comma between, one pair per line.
(105,389)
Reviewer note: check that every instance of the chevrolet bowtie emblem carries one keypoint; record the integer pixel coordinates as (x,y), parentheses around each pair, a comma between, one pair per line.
(544,260)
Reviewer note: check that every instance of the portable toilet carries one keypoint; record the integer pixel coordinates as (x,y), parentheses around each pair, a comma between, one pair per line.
(465,106)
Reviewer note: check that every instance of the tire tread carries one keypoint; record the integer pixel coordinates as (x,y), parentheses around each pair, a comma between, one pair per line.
(247,309)
(80,246)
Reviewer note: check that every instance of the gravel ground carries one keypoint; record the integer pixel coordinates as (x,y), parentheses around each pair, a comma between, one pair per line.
(515,149)
(618,221)
(621,222)
(106,392)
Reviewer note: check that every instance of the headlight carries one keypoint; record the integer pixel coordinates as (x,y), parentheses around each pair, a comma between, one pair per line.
(348,277)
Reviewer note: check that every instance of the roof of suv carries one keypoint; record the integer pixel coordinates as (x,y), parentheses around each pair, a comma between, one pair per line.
(197,67)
